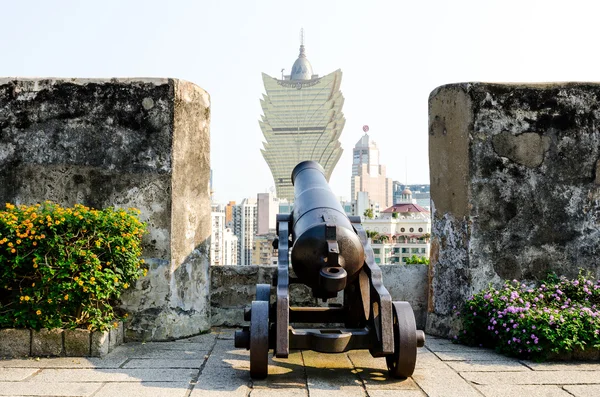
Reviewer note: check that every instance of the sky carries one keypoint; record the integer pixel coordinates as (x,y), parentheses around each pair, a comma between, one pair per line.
(392,55)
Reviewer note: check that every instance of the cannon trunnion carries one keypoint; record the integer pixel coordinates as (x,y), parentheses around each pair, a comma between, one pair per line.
(330,253)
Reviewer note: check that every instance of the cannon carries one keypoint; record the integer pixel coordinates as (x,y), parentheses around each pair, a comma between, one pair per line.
(330,253)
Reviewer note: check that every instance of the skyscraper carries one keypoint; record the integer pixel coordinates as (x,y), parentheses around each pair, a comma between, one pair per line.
(368,175)
(245,227)
(302,120)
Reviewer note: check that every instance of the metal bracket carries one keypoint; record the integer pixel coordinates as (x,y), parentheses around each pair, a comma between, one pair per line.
(383,317)
(282,340)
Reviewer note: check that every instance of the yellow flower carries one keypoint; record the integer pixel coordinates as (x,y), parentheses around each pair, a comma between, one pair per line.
(18,241)
(34,243)
(13,250)
(35,265)
(116,280)
(33,284)
(10,244)
(43,236)
(38,312)
(26,297)
(93,279)
(115,324)
(80,282)
(49,300)
(125,285)
(66,297)
(21,297)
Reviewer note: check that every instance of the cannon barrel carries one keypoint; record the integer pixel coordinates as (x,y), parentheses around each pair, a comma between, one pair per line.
(327,253)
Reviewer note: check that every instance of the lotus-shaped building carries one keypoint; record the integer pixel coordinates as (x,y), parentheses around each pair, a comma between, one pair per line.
(302,120)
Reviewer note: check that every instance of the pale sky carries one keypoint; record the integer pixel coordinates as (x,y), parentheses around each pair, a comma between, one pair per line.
(392,54)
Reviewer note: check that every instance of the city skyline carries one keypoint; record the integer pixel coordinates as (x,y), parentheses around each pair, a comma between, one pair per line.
(393,54)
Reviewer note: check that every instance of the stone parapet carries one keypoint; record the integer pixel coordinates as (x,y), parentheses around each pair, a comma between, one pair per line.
(140,143)
(233,289)
(514,187)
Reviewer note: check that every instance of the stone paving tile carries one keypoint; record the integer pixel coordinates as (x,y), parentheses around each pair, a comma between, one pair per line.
(113,375)
(284,373)
(163,363)
(226,333)
(563,366)
(374,374)
(331,375)
(487,366)
(64,362)
(428,360)
(443,382)
(483,355)
(525,390)
(451,347)
(278,393)
(48,389)
(396,393)
(533,377)
(226,372)
(208,338)
(149,352)
(195,346)
(143,389)
(16,374)
(583,390)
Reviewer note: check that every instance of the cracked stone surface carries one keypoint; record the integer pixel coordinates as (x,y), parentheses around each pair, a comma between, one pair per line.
(209,366)
(514,187)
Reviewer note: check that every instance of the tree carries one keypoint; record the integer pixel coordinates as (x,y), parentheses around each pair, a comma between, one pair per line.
(384,238)
(372,235)
(395,215)
(368,213)
(417,260)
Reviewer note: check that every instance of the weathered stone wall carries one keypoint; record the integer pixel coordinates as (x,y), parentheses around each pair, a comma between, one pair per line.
(233,289)
(140,143)
(515,187)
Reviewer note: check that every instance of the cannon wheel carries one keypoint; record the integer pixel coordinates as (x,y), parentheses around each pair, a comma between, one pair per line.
(401,364)
(263,292)
(259,340)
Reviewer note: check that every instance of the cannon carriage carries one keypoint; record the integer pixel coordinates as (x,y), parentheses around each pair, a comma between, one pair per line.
(330,253)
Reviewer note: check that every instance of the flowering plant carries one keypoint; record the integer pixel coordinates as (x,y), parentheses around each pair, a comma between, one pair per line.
(66,267)
(533,321)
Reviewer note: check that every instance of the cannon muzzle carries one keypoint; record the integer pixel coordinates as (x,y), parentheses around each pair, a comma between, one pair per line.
(327,253)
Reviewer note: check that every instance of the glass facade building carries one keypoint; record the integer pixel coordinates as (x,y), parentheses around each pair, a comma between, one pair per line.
(302,120)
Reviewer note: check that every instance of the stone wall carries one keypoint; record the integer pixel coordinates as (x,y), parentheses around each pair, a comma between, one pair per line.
(140,143)
(515,187)
(233,289)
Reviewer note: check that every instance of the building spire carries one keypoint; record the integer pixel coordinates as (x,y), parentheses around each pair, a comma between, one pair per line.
(302,54)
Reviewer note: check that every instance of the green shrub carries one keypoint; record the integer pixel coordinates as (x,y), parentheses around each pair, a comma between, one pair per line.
(417,260)
(533,321)
(66,267)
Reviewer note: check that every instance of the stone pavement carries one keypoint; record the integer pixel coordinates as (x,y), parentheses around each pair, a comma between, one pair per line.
(209,366)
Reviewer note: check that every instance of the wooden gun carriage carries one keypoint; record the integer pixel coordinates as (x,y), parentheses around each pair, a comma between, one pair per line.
(330,253)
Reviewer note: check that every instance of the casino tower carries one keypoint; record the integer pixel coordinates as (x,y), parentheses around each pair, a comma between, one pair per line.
(302,120)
